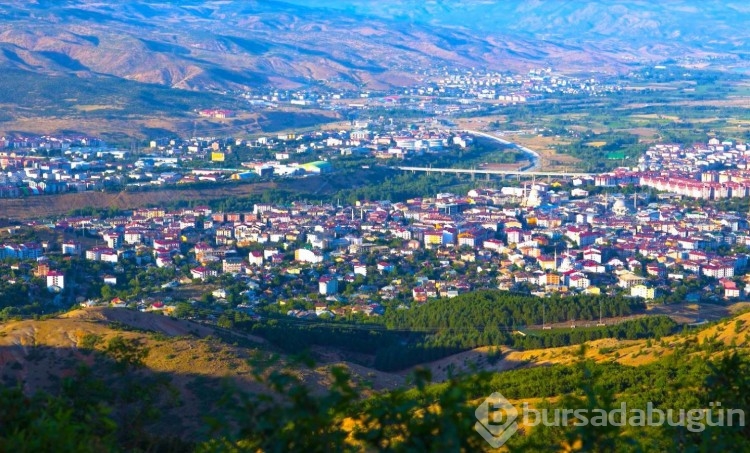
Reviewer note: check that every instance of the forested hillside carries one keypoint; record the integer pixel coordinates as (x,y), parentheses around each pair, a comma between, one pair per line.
(404,338)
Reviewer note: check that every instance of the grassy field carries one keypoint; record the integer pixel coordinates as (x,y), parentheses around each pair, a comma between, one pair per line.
(551,160)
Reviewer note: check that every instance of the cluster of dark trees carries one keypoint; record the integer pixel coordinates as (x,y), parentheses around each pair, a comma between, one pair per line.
(403,338)
(451,341)
(483,309)
(15,301)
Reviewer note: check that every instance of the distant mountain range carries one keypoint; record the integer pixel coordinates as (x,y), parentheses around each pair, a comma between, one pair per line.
(360,43)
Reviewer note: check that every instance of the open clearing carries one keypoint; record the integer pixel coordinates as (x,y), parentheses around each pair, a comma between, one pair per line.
(652,116)
(56,205)
(95,107)
(550,160)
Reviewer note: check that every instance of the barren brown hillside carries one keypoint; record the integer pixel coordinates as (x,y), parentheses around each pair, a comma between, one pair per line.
(34,350)
(242,45)
(56,205)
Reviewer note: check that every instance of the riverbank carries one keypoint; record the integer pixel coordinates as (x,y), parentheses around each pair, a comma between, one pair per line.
(534,157)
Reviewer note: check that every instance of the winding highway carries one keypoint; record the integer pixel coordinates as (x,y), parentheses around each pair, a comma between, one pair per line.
(535,157)
(528,171)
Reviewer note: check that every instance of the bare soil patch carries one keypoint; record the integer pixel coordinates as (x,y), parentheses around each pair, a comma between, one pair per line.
(56,205)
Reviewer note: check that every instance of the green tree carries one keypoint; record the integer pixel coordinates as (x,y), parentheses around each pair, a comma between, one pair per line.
(106,293)
(127,353)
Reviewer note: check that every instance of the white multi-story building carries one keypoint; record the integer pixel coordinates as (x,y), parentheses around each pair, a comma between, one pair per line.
(308,256)
(328,285)
(55,278)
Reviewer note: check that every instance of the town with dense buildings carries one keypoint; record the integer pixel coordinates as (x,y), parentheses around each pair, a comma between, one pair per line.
(440,89)
(310,259)
(641,231)
(361,226)
(50,165)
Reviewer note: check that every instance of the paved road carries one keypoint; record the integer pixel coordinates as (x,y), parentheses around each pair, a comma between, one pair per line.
(480,171)
(535,157)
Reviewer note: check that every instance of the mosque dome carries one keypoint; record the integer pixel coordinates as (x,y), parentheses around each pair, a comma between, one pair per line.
(534,199)
(619,208)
